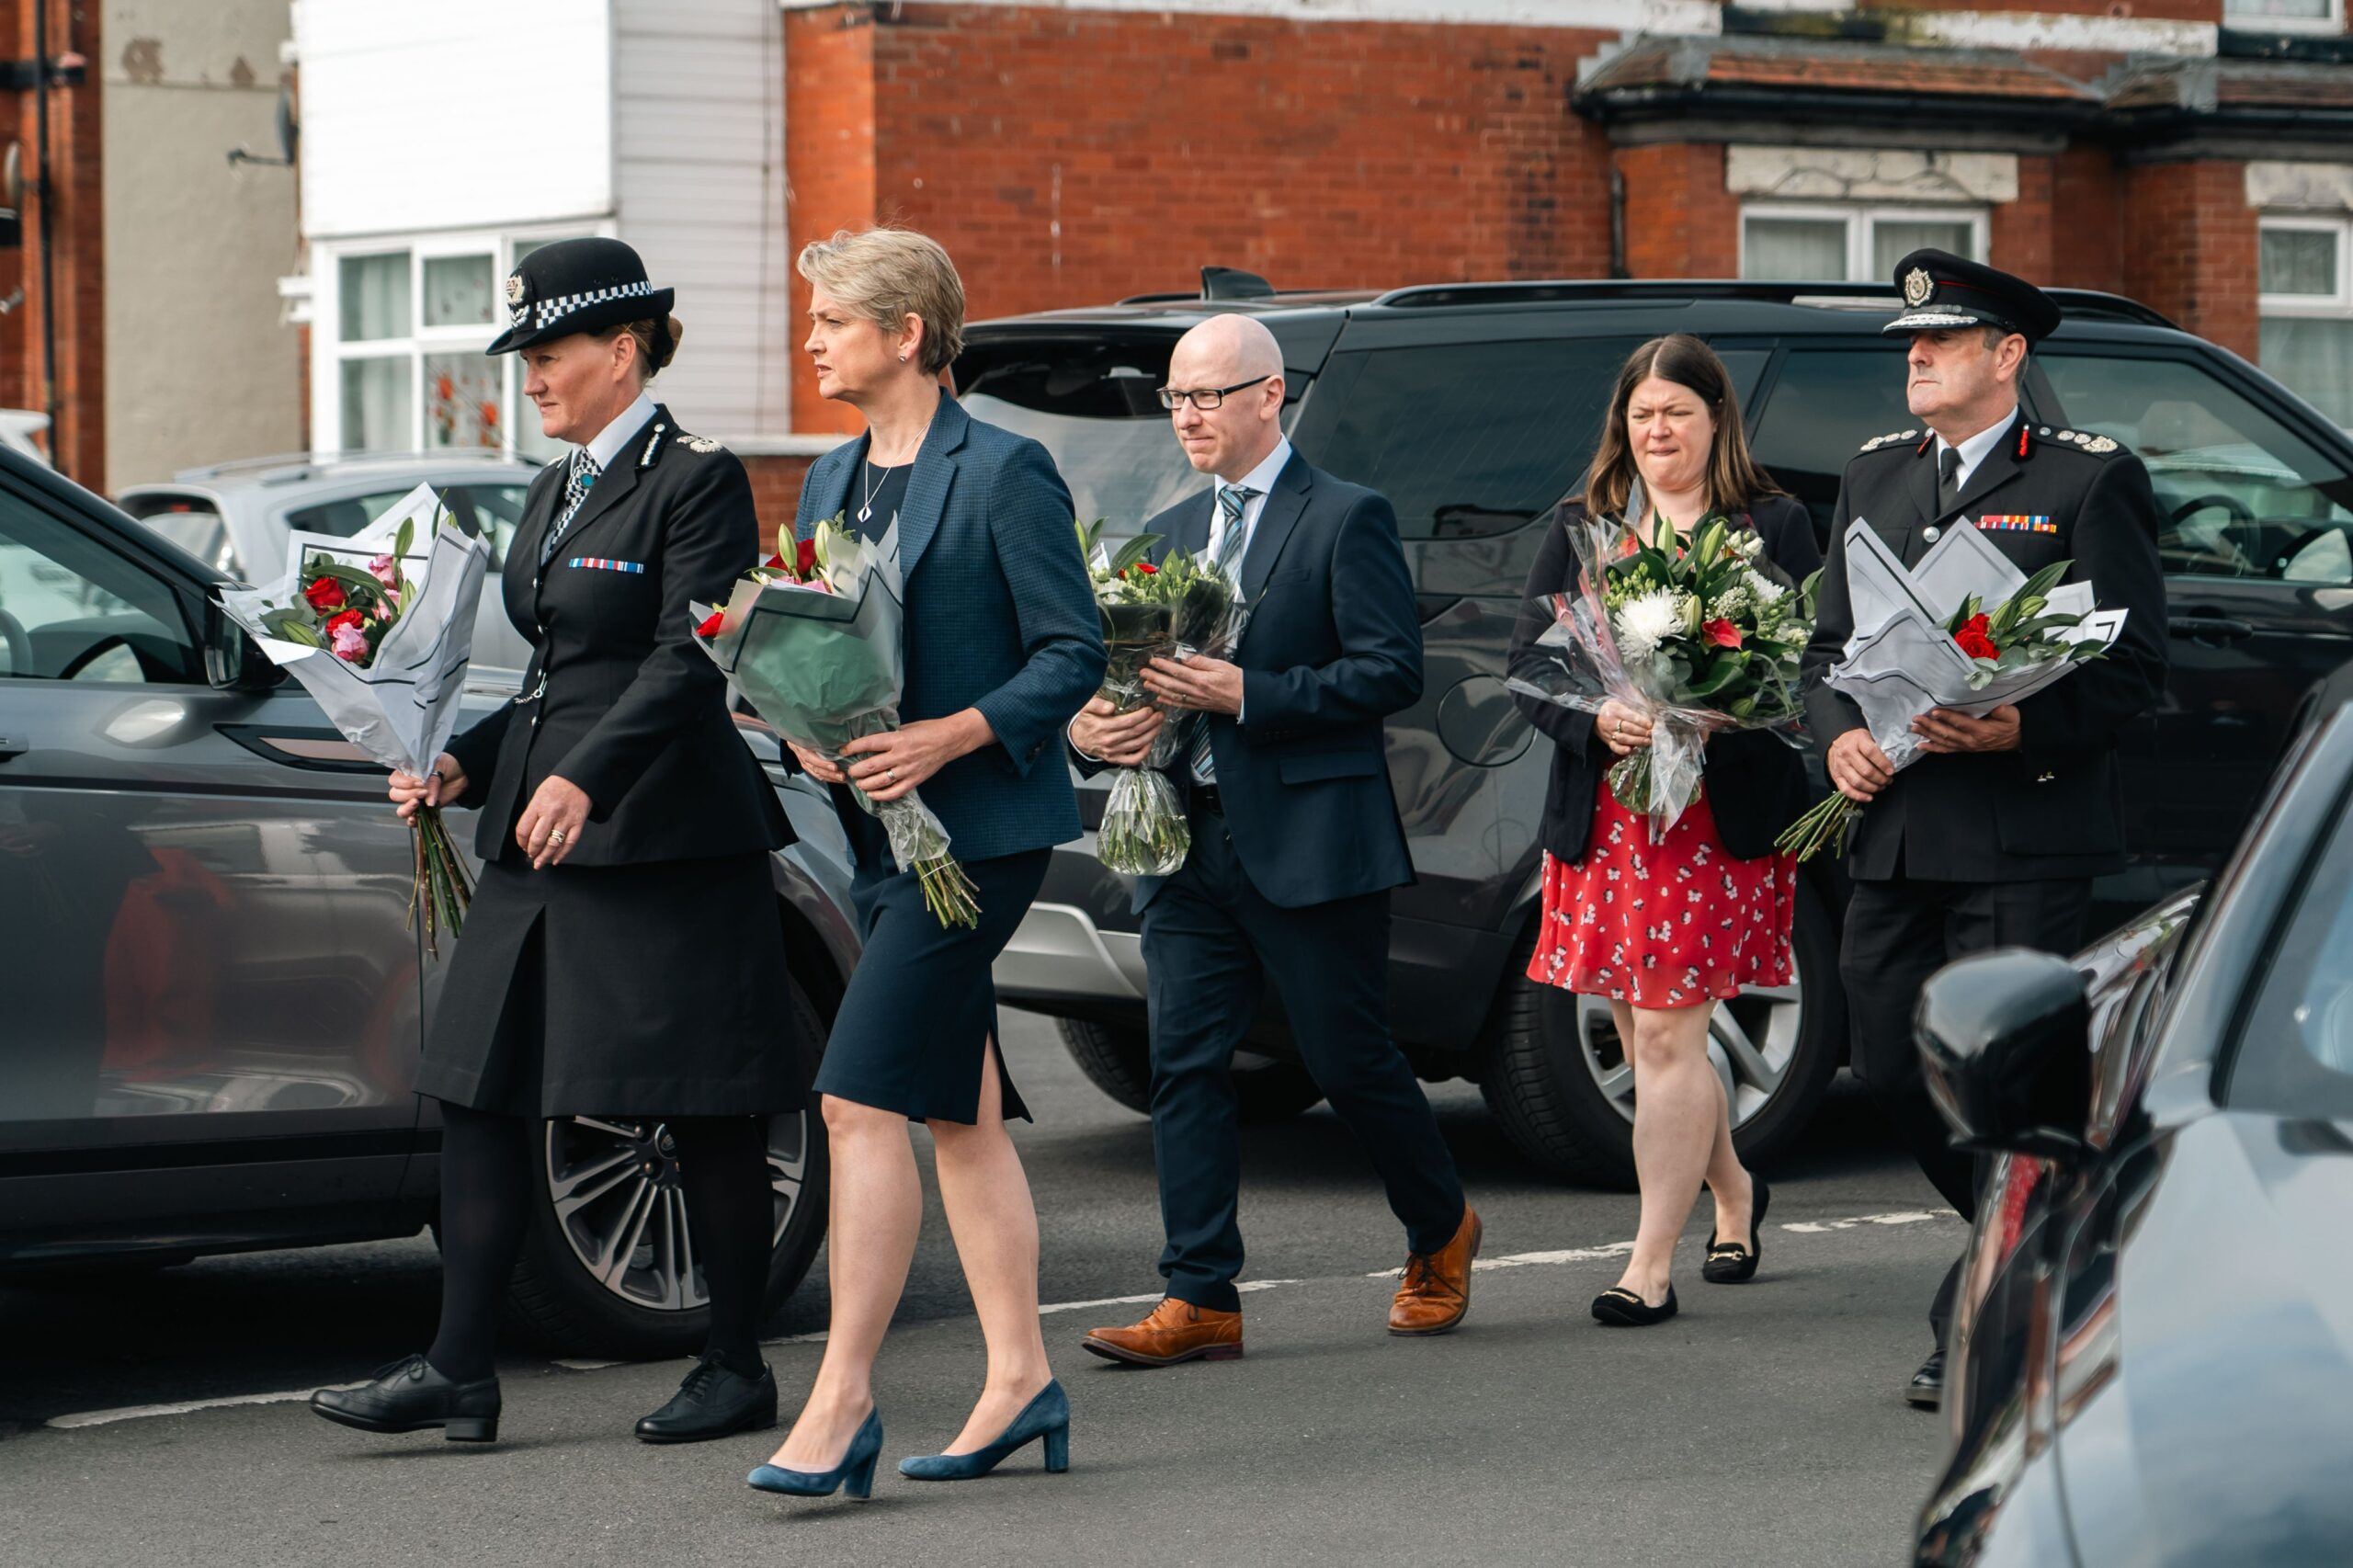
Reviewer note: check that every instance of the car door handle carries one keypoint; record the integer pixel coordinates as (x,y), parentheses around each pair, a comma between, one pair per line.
(13,747)
(2209,628)
(316,751)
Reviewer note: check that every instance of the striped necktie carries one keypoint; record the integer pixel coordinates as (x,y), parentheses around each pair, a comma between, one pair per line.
(575,490)
(1233,543)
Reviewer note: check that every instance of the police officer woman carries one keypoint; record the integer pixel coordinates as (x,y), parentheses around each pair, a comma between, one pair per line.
(608,963)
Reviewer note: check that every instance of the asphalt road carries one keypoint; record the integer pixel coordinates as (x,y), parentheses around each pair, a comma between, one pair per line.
(1762,1426)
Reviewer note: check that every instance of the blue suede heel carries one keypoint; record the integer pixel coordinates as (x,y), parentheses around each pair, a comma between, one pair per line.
(1046,1417)
(854,1475)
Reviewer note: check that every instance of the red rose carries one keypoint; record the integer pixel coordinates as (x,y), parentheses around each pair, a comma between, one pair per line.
(345,618)
(1722,633)
(1981,623)
(1975,642)
(776,563)
(325,594)
(709,627)
(804,555)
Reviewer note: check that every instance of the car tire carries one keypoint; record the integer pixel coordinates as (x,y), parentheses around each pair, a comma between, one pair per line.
(1119,1061)
(1551,1082)
(559,1300)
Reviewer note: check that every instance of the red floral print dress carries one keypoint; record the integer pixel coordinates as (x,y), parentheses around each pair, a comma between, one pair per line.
(1667,924)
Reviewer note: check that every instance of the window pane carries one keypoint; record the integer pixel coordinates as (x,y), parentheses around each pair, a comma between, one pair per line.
(2296,1052)
(2298,261)
(461,399)
(1477,438)
(347,516)
(84,612)
(378,416)
(1092,405)
(1892,239)
(2240,495)
(2314,10)
(1825,403)
(1793,247)
(2315,358)
(457,290)
(375,297)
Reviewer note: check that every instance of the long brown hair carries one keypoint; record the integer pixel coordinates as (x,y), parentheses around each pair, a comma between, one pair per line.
(1734,482)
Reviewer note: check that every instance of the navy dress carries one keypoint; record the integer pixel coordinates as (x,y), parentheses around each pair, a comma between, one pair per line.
(1001,618)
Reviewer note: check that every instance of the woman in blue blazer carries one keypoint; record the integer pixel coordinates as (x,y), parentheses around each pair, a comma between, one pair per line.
(1003,646)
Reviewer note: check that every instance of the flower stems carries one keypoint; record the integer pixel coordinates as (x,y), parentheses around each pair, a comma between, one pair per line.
(440,889)
(947,891)
(1827,827)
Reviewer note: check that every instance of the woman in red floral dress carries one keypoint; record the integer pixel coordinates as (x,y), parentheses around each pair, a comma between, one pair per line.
(1666,931)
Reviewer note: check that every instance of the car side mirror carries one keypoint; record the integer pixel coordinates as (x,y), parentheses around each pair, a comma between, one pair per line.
(2005,1042)
(233,660)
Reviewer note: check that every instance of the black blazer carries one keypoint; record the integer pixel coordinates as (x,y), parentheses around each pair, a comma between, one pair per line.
(628,707)
(1754,779)
(1332,648)
(2055,807)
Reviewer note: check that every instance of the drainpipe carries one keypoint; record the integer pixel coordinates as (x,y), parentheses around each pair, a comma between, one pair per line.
(41,184)
(1617,222)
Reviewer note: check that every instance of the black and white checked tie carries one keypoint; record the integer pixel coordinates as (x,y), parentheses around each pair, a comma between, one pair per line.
(575,490)
(1233,543)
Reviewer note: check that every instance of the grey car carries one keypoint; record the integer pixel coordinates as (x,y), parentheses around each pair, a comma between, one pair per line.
(237,516)
(211,1006)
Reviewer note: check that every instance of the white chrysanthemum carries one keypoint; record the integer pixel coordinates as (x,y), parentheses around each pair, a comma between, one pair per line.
(1765,590)
(1643,623)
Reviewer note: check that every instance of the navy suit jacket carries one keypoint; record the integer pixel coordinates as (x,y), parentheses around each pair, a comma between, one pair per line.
(1332,648)
(1000,617)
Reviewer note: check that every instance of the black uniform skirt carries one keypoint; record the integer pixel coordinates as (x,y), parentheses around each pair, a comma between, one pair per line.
(644,990)
(921,1008)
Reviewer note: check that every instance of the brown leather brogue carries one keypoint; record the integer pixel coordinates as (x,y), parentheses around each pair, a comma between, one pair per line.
(1437,1289)
(1176,1331)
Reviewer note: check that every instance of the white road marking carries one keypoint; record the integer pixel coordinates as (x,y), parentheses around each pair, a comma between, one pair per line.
(1508,1260)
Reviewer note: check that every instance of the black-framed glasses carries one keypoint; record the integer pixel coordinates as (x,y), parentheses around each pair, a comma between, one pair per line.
(1206,398)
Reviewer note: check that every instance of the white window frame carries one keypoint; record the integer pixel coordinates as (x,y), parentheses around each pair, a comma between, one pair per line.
(2258,22)
(1859,218)
(329,352)
(2338,304)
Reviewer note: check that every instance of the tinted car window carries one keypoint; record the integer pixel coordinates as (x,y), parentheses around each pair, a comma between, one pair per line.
(1474,438)
(2243,495)
(1094,405)
(494,510)
(343,519)
(72,610)
(2295,1053)
(1824,405)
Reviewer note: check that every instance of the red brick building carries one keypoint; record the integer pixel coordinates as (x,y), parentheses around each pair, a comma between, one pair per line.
(52,332)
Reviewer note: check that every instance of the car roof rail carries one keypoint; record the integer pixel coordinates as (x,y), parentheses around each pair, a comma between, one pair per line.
(243,467)
(2079,302)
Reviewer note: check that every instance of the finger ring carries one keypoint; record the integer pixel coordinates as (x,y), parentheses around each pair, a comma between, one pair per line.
(556,836)
(892,774)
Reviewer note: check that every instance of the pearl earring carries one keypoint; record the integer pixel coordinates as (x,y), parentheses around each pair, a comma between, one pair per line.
(903,359)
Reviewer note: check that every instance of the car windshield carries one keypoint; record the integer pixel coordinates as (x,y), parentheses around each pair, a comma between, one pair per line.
(2295,1049)
(1096,406)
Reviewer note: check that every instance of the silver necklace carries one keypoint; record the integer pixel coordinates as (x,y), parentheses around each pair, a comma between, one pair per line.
(866,512)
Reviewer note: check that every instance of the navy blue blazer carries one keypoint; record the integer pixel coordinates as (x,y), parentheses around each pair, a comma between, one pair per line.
(1332,648)
(1000,617)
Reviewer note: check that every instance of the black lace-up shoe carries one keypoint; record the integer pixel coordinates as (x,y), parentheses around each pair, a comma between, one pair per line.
(410,1396)
(714,1401)
(1927,1389)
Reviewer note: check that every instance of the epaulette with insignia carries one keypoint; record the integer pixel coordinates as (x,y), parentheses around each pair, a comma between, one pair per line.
(699,443)
(1876,442)
(2082,440)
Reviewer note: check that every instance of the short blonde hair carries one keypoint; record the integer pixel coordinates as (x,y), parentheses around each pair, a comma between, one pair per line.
(888,275)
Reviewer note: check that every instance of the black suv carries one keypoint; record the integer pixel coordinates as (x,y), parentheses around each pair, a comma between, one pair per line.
(1474,407)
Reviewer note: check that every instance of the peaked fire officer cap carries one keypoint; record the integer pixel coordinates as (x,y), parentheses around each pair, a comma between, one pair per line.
(573,286)
(1942,291)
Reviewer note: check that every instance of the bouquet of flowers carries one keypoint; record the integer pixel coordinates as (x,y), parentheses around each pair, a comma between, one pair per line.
(814,643)
(379,628)
(1183,605)
(1702,635)
(1923,640)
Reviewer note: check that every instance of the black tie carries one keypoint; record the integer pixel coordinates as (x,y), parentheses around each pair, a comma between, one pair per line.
(1948,481)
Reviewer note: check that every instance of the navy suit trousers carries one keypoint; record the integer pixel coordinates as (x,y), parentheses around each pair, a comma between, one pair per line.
(1210,943)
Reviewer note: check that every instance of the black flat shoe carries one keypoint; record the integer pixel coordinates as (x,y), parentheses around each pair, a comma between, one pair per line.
(410,1396)
(714,1401)
(1926,1388)
(1622,1308)
(1729,1263)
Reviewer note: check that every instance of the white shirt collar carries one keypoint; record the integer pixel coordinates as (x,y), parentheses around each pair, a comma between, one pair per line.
(1262,478)
(618,434)
(1976,447)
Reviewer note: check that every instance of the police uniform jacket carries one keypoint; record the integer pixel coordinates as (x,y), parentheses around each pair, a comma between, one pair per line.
(2053,808)
(619,700)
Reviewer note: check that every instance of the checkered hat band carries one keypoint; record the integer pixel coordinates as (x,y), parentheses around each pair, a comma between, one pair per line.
(546,310)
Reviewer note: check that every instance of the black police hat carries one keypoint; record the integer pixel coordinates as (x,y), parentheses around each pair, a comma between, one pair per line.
(1941,290)
(577,286)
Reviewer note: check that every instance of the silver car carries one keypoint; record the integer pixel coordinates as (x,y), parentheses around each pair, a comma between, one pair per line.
(235,517)
(211,1006)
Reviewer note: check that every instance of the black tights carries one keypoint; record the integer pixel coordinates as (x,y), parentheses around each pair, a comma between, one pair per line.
(486,1192)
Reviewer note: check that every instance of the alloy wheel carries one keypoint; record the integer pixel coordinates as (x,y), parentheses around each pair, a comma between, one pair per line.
(1751,1040)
